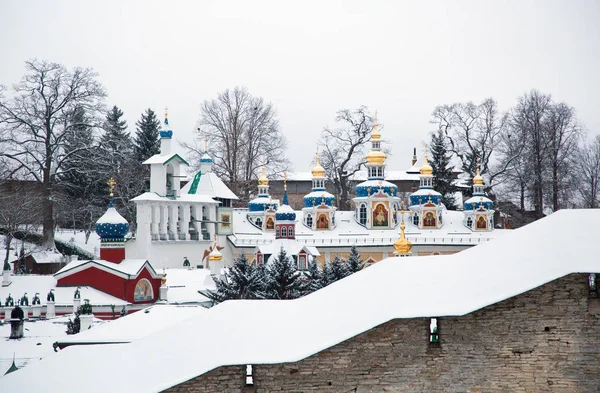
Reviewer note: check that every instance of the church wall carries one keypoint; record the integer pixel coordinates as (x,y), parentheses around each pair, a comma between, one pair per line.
(544,340)
(131,284)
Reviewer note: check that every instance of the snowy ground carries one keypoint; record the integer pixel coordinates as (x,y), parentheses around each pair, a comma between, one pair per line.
(37,343)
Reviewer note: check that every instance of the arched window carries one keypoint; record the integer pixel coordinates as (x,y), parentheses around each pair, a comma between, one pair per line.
(363,214)
(302,262)
(469,222)
(291,231)
(283,231)
(277,232)
(259,222)
(416,220)
(309,220)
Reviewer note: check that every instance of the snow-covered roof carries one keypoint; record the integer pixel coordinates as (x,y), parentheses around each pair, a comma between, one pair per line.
(164,159)
(433,286)
(210,184)
(347,232)
(63,295)
(151,196)
(136,325)
(128,268)
(111,216)
(362,176)
(184,285)
(291,246)
(47,257)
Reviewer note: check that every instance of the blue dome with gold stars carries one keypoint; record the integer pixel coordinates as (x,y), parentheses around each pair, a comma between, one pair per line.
(112,225)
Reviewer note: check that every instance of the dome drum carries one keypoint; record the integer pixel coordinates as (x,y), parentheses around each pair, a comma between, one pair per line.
(370,190)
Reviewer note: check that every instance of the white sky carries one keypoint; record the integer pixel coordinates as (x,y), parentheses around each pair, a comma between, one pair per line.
(311,58)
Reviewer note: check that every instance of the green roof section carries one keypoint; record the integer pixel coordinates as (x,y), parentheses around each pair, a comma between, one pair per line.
(178,156)
(13,367)
(195,182)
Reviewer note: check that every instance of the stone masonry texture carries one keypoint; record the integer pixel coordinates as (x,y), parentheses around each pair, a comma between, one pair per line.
(545,340)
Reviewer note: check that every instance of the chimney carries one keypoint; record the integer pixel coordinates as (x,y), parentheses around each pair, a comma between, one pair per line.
(414,159)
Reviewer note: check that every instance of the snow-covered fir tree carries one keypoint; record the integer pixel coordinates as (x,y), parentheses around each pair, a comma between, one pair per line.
(147,142)
(241,281)
(354,263)
(334,270)
(442,170)
(284,280)
(314,278)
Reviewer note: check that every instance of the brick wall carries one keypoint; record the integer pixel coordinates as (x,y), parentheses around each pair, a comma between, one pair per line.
(545,340)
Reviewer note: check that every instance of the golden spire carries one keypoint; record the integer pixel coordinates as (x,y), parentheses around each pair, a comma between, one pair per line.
(263,180)
(402,245)
(166,113)
(163,280)
(478,179)
(426,169)
(111,184)
(318,170)
(375,135)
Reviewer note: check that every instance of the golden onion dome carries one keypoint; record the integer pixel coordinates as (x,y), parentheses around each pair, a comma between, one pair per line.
(376,157)
(215,255)
(478,179)
(263,180)
(402,245)
(318,170)
(426,169)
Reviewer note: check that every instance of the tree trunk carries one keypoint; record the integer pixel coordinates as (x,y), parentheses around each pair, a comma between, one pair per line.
(555,206)
(48,217)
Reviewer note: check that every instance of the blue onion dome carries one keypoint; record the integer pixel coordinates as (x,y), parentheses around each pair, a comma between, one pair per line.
(317,198)
(285,213)
(478,202)
(423,195)
(112,225)
(372,187)
(206,158)
(261,204)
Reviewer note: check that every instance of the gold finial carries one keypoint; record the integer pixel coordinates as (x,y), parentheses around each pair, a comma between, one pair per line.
(263,180)
(478,179)
(318,170)
(111,184)
(376,135)
(426,169)
(166,112)
(402,245)
(205,143)
(163,280)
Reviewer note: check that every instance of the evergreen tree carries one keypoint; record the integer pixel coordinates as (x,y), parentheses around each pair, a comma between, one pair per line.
(147,142)
(314,278)
(241,281)
(442,170)
(73,327)
(116,139)
(284,280)
(354,262)
(334,270)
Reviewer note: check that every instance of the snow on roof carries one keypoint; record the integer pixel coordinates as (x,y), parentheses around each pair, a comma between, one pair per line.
(135,326)
(111,216)
(433,286)
(210,184)
(127,267)
(163,159)
(151,196)
(291,246)
(361,176)
(77,238)
(63,295)
(348,232)
(184,285)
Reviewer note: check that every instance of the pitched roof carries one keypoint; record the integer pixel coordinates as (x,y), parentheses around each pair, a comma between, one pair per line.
(128,268)
(435,286)
(208,184)
(164,159)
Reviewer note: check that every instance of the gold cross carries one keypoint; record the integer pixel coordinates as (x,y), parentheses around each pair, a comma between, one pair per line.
(111,184)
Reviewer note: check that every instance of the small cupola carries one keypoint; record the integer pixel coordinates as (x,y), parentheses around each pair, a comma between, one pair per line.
(112,228)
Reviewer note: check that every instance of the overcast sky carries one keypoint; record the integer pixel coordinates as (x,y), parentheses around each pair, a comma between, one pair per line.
(312,58)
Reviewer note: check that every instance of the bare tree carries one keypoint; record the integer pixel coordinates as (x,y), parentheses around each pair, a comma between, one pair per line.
(588,171)
(342,149)
(474,133)
(36,120)
(244,135)
(19,202)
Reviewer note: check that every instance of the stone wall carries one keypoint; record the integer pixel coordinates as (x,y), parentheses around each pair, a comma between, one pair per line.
(546,340)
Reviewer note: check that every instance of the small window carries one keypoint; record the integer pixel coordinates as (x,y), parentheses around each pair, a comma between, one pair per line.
(283,231)
(259,222)
(309,220)
(469,222)
(249,375)
(302,262)
(277,232)
(291,231)
(363,214)
(416,220)
(434,336)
